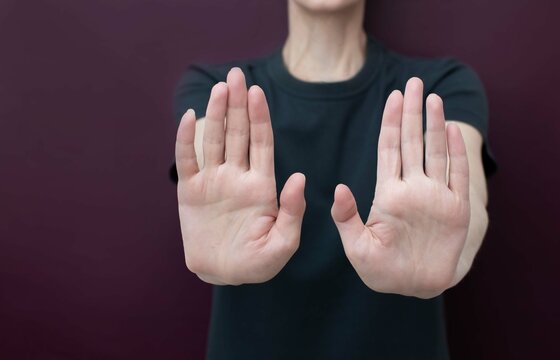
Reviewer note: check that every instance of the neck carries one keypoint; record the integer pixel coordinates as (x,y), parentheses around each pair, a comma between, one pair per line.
(325,46)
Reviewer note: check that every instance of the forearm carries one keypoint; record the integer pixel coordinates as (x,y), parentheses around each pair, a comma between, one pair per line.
(477,230)
(478,198)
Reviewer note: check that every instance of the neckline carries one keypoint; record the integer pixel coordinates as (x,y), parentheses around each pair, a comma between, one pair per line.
(327,90)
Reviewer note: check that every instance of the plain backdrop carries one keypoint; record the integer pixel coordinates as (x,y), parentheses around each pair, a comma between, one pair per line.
(91,260)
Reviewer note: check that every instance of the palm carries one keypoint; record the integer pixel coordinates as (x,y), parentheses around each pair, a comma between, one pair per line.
(241,206)
(418,223)
(233,231)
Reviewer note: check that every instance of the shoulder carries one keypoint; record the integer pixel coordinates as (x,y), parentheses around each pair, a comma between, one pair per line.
(442,75)
(209,74)
(461,89)
(196,82)
(439,74)
(454,81)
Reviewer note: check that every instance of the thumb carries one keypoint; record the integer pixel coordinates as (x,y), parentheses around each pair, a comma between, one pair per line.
(292,207)
(345,214)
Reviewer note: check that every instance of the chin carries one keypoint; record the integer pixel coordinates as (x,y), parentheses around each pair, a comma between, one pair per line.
(326,5)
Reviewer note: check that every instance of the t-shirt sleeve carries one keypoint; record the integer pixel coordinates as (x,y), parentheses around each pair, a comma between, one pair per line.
(192,92)
(465,100)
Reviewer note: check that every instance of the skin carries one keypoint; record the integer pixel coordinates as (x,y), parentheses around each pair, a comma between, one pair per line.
(233,230)
(425,225)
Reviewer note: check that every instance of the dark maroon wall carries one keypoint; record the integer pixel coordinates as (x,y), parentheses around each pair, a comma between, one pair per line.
(91,262)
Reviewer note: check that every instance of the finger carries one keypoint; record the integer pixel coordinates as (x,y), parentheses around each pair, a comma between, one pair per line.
(389,145)
(345,215)
(237,120)
(213,140)
(261,148)
(185,154)
(436,139)
(458,162)
(290,214)
(411,133)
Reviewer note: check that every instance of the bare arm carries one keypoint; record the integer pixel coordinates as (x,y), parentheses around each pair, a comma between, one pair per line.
(477,193)
(478,199)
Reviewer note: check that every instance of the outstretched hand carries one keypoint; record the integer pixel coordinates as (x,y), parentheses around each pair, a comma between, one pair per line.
(233,231)
(418,223)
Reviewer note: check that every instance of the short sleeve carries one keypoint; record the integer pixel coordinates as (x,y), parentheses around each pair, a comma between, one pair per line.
(192,92)
(465,100)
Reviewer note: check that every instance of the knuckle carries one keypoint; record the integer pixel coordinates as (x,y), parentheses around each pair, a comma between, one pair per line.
(436,154)
(238,131)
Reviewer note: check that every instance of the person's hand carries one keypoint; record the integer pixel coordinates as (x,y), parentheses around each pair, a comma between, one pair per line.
(233,231)
(418,222)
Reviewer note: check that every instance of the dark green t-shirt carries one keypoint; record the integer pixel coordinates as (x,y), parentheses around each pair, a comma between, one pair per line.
(317,307)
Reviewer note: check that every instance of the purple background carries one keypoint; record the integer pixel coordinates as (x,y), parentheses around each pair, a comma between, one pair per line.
(91,262)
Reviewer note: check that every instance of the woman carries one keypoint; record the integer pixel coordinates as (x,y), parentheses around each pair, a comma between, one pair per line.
(353,261)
